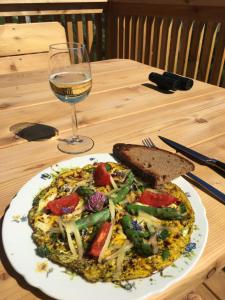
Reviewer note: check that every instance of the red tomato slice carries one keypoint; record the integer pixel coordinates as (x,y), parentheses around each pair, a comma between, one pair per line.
(63,205)
(156,200)
(100,239)
(101,176)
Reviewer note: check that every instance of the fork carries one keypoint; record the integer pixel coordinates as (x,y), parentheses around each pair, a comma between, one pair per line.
(194,179)
(148,142)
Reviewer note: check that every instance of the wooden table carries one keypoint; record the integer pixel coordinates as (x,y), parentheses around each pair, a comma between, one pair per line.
(122,107)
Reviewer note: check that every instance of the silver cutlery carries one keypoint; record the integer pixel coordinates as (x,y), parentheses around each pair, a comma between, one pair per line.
(194,179)
(213,163)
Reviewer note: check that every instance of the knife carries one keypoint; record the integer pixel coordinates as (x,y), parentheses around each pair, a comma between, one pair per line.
(207,187)
(215,164)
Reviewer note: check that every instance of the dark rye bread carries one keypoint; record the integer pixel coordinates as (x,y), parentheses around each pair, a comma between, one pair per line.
(154,165)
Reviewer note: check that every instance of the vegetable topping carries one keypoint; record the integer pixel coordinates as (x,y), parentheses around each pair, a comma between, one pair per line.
(137,237)
(163,213)
(63,205)
(101,176)
(156,199)
(110,226)
(100,239)
(96,202)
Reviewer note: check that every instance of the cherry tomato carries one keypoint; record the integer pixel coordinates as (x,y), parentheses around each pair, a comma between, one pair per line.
(63,205)
(100,239)
(101,176)
(156,200)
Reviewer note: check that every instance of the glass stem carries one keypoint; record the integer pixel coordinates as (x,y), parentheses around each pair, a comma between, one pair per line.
(75,137)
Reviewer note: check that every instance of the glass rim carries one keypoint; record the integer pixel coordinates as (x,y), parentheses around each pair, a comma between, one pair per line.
(70,45)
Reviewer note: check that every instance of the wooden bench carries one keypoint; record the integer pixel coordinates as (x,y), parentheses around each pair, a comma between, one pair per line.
(24,47)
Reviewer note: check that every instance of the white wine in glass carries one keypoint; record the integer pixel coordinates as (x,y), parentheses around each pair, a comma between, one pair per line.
(71,81)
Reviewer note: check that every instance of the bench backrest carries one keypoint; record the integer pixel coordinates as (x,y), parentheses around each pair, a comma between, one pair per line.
(24,47)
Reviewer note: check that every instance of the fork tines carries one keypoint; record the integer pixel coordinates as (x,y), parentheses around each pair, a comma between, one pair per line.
(148,142)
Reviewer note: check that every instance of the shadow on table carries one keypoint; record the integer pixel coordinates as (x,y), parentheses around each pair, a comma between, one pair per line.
(156,88)
(33,131)
(20,280)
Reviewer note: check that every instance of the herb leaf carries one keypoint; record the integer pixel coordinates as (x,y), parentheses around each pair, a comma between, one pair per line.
(165,254)
(42,251)
(164,234)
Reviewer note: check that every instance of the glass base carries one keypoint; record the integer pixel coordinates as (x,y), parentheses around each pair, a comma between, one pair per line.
(76,145)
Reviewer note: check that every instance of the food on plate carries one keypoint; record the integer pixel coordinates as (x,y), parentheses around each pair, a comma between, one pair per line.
(154,165)
(106,224)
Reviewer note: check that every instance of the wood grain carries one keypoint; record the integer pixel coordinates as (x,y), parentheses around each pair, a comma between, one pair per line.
(216,284)
(122,107)
(19,39)
(183,36)
(24,63)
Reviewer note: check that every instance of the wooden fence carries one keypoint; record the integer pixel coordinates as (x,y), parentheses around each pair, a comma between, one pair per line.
(186,37)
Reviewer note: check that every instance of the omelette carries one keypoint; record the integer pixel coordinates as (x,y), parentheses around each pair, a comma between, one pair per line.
(106,224)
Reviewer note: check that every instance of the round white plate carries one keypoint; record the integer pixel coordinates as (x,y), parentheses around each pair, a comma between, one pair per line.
(54,280)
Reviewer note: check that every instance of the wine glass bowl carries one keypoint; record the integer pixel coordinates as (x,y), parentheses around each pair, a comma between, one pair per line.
(71,81)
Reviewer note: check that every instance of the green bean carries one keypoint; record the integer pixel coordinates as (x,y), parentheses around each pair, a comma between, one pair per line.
(164,213)
(137,237)
(93,219)
(120,195)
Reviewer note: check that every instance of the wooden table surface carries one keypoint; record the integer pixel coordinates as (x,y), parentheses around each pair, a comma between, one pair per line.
(122,107)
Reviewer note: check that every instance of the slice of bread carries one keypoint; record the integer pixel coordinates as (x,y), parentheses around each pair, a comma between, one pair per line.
(154,165)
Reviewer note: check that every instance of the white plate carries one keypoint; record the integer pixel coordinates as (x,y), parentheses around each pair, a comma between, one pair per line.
(53,280)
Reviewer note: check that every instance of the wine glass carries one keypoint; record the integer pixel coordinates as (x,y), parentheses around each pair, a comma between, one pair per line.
(71,81)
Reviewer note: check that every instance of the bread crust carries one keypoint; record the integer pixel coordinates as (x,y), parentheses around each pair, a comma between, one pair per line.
(121,152)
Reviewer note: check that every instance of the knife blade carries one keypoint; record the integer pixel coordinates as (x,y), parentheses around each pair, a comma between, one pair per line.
(206,186)
(215,164)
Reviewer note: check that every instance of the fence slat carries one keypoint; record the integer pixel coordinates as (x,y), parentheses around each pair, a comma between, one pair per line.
(185,40)
(174,45)
(90,36)
(149,40)
(157,35)
(195,49)
(141,38)
(207,51)
(69,28)
(219,57)
(133,36)
(79,29)
(165,45)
